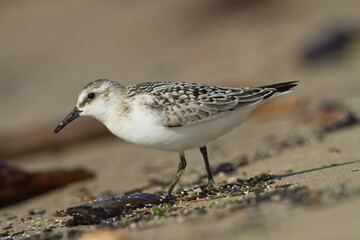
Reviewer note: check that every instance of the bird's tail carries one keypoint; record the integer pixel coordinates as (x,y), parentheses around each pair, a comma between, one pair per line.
(281,88)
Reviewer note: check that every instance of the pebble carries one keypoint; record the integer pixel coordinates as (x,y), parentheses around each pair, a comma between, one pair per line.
(37,212)
(186,211)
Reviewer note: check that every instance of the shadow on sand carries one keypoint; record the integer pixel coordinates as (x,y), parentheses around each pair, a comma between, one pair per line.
(314,169)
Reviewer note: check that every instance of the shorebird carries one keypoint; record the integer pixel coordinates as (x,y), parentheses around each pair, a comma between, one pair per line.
(174,116)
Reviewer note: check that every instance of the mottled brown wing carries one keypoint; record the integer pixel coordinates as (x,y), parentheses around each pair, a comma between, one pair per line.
(181,104)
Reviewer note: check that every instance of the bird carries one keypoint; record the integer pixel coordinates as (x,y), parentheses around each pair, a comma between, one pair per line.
(172,116)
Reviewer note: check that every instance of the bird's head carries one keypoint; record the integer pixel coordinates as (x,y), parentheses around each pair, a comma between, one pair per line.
(93,101)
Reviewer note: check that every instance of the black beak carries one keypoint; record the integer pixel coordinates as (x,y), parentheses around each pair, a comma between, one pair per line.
(74,114)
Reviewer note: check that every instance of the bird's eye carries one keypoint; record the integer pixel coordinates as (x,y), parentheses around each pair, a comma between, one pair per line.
(91,95)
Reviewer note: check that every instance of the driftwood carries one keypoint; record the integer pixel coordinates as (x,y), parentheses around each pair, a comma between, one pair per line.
(99,210)
(17,185)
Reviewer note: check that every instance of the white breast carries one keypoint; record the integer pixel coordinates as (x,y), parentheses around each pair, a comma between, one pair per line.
(142,127)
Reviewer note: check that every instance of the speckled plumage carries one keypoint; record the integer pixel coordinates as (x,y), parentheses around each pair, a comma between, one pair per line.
(174,116)
(182,103)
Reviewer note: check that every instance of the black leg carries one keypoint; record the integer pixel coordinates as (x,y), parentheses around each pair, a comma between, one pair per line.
(179,172)
(211,182)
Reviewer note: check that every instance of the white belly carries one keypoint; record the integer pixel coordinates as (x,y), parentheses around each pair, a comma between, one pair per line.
(145,129)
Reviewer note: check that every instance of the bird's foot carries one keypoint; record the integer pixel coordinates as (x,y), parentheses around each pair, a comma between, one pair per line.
(170,196)
(212,186)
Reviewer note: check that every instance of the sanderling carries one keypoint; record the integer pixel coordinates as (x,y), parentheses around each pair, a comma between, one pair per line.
(174,116)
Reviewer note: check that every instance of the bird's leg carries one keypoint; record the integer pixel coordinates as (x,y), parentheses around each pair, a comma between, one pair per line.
(179,172)
(211,183)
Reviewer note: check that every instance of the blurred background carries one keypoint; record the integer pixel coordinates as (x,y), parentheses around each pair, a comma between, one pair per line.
(50,49)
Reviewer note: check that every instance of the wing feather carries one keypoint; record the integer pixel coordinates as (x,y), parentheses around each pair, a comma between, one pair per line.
(181,104)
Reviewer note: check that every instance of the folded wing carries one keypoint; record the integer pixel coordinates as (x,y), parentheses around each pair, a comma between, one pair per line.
(181,104)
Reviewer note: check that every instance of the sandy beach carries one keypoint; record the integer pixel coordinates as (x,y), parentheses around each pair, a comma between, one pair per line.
(307,140)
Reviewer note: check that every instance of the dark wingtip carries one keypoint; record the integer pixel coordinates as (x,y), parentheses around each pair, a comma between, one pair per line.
(282,87)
